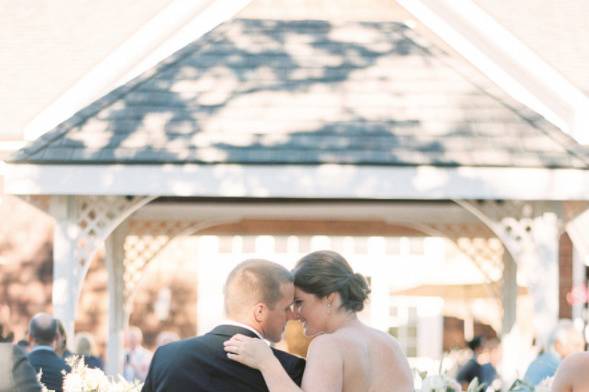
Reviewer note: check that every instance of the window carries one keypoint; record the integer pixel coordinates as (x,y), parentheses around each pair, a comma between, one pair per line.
(281,244)
(249,244)
(404,320)
(416,246)
(226,244)
(393,246)
(361,245)
(304,244)
(417,324)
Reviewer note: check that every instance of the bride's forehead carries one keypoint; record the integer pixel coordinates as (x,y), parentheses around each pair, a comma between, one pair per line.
(300,293)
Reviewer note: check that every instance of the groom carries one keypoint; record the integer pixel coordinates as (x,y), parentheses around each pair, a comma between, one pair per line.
(258,295)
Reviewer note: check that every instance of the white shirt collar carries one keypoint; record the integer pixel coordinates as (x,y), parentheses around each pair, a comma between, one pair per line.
(42,347)
(242,325)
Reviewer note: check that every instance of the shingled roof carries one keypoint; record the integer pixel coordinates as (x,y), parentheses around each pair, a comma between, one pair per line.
(308,92)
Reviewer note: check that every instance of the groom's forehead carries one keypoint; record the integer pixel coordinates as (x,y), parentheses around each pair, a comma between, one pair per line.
(287,290)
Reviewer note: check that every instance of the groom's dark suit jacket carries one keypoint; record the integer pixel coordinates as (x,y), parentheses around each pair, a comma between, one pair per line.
(201,365)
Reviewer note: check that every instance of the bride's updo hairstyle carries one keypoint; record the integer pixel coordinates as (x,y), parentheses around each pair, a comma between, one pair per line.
(324,272)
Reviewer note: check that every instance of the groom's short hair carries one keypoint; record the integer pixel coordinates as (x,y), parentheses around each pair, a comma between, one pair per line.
(254,281)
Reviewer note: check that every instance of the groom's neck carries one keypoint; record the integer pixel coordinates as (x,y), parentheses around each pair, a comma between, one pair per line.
(245,324)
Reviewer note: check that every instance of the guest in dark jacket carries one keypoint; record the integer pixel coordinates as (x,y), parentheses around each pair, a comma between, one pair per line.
(85,347)
(16,373)
(42,334)
(472,368)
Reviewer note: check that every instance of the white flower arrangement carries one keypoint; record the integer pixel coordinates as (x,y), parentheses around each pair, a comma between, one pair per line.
(545,385)
(439,383)
(522,386)
(85,379)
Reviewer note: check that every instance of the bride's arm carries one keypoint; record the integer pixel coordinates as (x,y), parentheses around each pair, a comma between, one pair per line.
(277,380)
(323,372)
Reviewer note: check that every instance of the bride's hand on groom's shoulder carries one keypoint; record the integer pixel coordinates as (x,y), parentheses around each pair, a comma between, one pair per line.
(251,352)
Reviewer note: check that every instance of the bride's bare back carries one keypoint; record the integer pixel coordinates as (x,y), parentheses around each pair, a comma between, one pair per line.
(356,358)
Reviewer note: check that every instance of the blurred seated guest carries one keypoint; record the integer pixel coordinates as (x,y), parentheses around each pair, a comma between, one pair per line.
(43,335)
(572,374)
(137,357)
(61,341)
(473,367)
(86,348)
(564,340)
(490,361)
(166,337)
(7,337)
(16,373)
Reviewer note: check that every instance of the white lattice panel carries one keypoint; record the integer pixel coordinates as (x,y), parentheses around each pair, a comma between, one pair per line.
(96,217)
(513,221)
(478,243)
(487,255)
(147,239)
(530,232)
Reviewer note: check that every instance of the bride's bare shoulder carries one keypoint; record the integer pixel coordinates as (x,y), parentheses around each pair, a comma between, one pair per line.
(385,341)
(381,334)
(323,346)
(325,341)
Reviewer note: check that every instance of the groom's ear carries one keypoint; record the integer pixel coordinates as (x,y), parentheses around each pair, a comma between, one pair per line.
(260,312)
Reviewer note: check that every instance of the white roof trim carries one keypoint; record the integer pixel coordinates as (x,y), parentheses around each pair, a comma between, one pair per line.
(176,26)
(397,213)
(506,61)
(300,181)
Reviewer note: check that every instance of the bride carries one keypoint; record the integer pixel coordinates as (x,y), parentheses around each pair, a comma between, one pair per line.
(345,354)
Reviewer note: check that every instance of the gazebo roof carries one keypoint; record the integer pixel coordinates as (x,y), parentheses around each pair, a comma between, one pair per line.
(309,92)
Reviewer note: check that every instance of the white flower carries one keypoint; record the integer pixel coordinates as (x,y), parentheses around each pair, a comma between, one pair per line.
(544,385)
(95,380)
(84,379)
(437,383)
(433,383)
(73,382)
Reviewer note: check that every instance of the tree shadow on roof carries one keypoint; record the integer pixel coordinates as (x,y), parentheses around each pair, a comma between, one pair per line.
(251,91)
